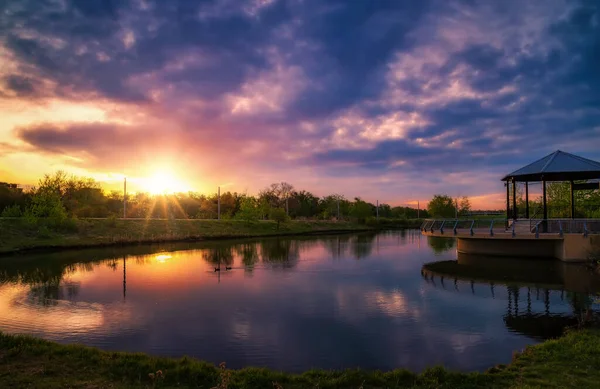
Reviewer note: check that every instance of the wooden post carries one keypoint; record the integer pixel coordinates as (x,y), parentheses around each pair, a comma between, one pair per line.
(514,198)
(572,201)
(526,200)
(545,205)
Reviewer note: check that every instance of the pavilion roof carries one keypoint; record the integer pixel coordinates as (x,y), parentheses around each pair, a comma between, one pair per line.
(558,166)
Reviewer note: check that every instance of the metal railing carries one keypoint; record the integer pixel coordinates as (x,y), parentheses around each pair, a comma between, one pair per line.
(452,226)
(534,220)
(488,227)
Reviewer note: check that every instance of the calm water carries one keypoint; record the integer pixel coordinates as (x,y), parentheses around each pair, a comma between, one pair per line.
(291,304)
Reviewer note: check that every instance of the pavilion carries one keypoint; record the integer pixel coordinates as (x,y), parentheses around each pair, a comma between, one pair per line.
(558,166)
(535,236)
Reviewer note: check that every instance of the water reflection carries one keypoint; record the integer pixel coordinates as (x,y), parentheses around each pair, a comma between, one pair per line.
(290,304)
(441,245)
(542,297)
(49,293)
(282,252)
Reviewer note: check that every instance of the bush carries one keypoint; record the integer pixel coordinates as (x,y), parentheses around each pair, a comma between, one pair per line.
(44,232)
(12,211)
(372,221)
(112,221)
(249,210)
(278,215)
(59,224)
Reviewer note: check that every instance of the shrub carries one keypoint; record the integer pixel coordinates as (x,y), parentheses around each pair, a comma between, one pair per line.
(249,211)
(372,221)
(12,211)
(278,215)
(60,224)
(112,221)
(44,232)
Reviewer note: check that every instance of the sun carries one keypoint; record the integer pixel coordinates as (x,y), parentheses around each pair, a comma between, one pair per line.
(163,182)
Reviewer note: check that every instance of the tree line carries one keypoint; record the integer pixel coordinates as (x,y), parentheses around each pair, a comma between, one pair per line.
(558,202)
(60,196)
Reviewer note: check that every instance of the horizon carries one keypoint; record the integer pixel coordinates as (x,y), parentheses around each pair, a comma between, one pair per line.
(388,101)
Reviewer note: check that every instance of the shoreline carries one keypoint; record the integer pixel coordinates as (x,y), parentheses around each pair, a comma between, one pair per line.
(572,360)
(188,239)
(19,238)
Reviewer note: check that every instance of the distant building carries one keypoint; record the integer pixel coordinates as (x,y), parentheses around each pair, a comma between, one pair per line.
(18,187)
(7,185)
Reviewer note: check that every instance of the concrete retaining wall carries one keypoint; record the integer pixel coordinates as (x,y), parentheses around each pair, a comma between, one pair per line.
(509,247)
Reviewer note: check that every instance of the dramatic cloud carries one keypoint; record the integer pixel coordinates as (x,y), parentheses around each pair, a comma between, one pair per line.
(408,98)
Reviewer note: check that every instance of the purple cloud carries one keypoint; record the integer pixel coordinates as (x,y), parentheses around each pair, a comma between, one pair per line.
(390,91)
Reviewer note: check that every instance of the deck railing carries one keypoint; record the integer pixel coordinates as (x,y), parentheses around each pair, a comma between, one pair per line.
(451,227)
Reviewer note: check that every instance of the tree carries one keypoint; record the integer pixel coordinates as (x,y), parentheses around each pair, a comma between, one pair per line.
(46,200)
(409,213)
(277,194)
(302,204)
(278,215)
(328,206)
(249,210)
(464,208)
(441,206)
(361,210)
(11,196)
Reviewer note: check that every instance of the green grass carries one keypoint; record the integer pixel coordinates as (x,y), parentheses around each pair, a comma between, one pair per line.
(17,235)
(572,361)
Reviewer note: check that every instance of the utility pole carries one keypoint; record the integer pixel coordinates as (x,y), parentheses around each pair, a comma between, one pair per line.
(377,209)
(124,197)
(219,203)
(418,209)
(338,208)
(456,208)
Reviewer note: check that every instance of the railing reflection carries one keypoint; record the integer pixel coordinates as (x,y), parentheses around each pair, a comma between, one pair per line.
(549,284)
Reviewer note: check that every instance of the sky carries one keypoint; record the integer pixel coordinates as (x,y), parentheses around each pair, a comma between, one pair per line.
(387,100)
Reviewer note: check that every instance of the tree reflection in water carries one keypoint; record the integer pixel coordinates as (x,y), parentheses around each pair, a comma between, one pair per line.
(362,245)
(218,255)
(440,245)
(280,253)
(248,252)
(50,293)
(336,246)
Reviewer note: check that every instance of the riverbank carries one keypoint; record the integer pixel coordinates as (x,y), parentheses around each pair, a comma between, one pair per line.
(572,361)
(17,236)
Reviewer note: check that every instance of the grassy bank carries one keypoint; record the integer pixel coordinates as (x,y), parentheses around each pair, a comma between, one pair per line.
(572,361)
(16,235)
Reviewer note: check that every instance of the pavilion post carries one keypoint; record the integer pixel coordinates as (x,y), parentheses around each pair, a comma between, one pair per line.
(572,201)
(514,199)
(507,202)
(526,200)
(545,206)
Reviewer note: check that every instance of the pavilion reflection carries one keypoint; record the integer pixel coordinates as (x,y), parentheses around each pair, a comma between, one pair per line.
(524,284)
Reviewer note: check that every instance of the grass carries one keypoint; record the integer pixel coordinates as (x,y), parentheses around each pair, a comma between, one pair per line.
(16,235)
(572,361)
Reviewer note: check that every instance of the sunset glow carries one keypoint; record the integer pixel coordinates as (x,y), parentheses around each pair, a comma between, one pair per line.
(163,182)
(395,101)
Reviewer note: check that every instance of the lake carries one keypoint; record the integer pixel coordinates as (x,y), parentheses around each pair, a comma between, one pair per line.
(332,302)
